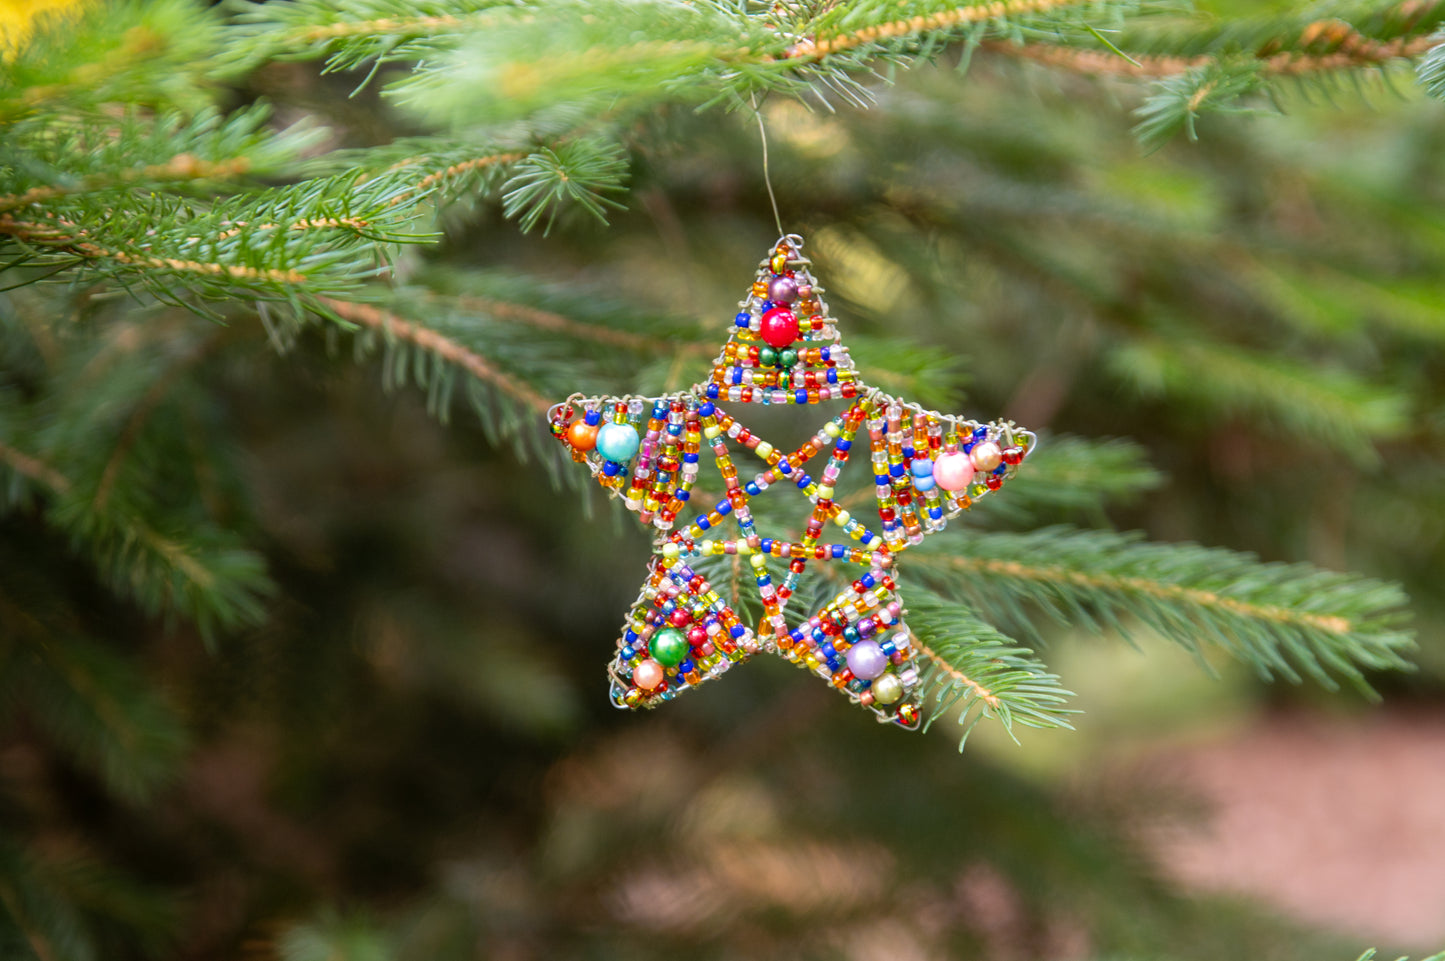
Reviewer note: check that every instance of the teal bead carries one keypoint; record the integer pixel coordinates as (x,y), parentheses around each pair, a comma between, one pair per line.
(788,357)
(669,646)
(618,442)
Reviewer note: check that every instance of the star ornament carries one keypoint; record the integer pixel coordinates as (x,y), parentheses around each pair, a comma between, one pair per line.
(783,348)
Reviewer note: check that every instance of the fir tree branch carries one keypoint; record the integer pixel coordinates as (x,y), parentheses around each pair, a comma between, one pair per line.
(1354,53)
(1275,617)
(142,410)
(180,168)
(826,45)
(447,349)
(34,468)
(64,235)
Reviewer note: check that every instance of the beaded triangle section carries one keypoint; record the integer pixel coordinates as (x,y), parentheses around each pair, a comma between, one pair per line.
(783,348)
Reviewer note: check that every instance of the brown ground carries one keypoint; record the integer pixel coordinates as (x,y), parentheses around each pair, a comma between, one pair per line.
(1338,822)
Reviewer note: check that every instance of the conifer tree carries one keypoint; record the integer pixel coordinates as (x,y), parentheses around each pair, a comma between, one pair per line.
(218,225)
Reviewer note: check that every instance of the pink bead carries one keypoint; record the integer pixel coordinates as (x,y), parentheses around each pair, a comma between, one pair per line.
(986,456)
(647,675)
(953,472)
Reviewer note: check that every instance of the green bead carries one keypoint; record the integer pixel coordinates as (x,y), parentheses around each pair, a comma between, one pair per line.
(669,646)
(788,357)
(767,357)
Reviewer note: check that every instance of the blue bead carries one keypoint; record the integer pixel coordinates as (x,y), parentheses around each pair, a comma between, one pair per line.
(867,580)
(832,375)
(703,523)
(827,650)
(724,508)
(592,418)
(895,470)
(685,667)
(801,395)
(999,470)
(765,545)
(839,552)
(922,467)
(751,489)
(980,433)
(609,469)
(618,442)
(712,392)
(682,495)
(737,373)
(743,319)
(706,409)
(737,630)
(924,483)
(804,481)
(850,634)
(844,444)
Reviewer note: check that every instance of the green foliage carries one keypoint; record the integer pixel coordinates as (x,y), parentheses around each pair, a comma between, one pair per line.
(393,612)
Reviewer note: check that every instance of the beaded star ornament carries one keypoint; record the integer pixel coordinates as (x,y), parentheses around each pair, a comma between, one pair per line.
(783,348)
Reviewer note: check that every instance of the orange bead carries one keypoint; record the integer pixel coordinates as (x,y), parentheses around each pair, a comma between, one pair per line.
(582,435)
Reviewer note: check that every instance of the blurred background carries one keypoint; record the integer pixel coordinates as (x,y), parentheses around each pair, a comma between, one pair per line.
(415,757)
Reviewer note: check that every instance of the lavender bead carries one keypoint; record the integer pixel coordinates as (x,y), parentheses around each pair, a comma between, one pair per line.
(783,290)
(867,660)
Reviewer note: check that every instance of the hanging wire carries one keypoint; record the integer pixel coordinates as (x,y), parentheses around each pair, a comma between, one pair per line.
(767,176)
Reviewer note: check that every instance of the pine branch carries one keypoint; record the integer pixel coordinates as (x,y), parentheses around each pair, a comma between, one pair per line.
(971,667)
(1276,617)
(1330,406)
(1072,475)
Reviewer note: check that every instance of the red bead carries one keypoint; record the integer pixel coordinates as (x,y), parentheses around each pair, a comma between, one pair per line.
(680,617)
(1013,455)
(697,635)
(779,327)
(993,483)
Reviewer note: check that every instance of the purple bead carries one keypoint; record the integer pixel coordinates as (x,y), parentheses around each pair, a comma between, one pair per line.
(867,660)
(783,290)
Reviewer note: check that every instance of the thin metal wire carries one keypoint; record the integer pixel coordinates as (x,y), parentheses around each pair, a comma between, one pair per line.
(767,176)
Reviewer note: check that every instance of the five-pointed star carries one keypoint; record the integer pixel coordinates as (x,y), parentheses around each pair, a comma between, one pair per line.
(783,349)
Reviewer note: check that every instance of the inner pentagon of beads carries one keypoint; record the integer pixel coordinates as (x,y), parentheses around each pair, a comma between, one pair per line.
(784,349)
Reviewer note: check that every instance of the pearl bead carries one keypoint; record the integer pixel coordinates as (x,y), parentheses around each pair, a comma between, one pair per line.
(887,689)
(953,471)
(618,442)
(582,435)
(767,357)
(986,456)
(669,646)
(787,358)
(867,660)
(778,327)
(783,290)
(647,674)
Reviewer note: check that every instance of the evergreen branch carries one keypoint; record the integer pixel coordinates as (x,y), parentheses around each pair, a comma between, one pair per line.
(552,322)
(1274,616)
(1071,475)
(447,349)
(970,667)
(34,468)
(64,235)
(454,171)
(1328,406)
(822,46)
(147,404)
(1431,69)
(181,167)
(1356,51)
